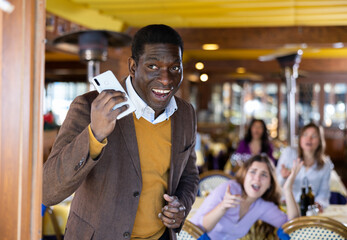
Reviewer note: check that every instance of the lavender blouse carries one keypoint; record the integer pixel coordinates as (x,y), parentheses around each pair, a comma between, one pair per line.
(230,226)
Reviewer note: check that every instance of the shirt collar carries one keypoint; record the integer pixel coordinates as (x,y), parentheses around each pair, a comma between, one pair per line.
(145,111)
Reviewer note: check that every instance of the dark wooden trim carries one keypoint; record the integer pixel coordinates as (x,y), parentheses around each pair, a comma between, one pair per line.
(263,37)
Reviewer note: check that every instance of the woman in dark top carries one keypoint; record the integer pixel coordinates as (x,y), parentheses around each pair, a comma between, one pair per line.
(255,142)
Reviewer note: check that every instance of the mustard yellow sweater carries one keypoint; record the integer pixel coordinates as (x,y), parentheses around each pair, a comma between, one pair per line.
(154,145)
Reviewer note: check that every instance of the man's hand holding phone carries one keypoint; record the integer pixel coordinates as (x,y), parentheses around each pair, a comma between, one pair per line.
(103,117)
(110,105)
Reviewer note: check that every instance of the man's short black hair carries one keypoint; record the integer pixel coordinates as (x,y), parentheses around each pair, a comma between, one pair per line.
(152,34)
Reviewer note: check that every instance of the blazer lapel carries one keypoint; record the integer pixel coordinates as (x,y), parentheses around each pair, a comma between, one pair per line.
(176,133)
(127,128)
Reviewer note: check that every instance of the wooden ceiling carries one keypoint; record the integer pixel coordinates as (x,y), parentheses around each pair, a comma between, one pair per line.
(244,30)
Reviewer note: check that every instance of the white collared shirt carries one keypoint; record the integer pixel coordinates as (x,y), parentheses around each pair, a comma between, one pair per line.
(145,111)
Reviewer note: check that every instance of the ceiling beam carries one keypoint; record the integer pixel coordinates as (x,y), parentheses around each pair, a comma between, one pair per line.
(255,66)
(263,37)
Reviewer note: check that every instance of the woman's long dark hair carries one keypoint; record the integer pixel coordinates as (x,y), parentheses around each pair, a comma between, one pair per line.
(265,142)
(273,194)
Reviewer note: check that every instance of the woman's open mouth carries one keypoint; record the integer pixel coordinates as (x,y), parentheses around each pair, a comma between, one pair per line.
(256,187)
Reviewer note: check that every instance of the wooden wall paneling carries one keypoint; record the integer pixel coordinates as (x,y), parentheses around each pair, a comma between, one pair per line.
(1,165)
(266,37)
(314,70)
(184,91)
(204,95)
(121,55)
(37,124)
(21,124)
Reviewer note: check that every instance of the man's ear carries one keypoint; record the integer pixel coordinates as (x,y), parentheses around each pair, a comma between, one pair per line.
(132,66)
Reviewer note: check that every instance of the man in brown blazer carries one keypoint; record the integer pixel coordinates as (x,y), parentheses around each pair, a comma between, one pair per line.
(133,178)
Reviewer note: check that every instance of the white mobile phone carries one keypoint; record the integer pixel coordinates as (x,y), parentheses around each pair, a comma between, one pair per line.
(108,80)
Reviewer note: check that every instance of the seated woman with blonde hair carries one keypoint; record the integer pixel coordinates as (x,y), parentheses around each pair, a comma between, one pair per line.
(317,166)
(233,207)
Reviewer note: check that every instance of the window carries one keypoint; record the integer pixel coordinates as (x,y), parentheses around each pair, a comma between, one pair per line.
(335,96)
(307,106)
(59,95)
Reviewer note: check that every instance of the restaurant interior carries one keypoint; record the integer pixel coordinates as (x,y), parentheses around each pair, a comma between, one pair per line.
(244,77)
(280,61)
(234,66)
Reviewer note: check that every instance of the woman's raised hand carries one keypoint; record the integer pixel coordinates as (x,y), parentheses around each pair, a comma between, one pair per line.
(230,200)
(297,164)
(292,208)
(285,172)
(212,218)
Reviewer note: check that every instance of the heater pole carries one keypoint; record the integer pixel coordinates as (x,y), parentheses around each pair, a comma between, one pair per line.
(290,64)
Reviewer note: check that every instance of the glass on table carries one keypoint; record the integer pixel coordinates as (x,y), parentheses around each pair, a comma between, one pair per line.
(312,210)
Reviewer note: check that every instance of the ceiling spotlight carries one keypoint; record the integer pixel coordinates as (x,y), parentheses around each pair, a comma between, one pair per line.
(204,77)
(199,65)
(241,70)
(193,77)
(210,46)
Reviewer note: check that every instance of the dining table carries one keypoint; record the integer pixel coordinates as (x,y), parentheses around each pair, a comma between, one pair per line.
(337,212)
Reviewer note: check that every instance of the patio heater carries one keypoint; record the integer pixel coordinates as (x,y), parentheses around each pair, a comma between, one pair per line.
(92,46)
(289,63)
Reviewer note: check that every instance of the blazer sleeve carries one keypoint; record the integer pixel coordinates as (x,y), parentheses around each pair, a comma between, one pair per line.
(69,162)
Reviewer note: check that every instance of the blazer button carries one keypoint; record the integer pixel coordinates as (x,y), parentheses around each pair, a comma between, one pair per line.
(126,235)
(136,194)
(81,162)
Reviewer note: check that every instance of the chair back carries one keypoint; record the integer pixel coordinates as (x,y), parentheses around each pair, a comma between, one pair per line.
(210,180)
(315,227)
(189,231)
(54,221)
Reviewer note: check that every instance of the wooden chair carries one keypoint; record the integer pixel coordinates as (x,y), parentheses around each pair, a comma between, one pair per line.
(210,180)
(55,224)
(189,231)
(315,228)
(256,232)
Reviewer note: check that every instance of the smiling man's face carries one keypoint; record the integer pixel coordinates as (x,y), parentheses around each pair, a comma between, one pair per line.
(158,74)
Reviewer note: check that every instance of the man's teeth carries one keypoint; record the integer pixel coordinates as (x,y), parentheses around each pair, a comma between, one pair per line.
(161,91)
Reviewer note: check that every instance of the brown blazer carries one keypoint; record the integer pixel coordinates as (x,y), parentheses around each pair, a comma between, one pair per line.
(107,190)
